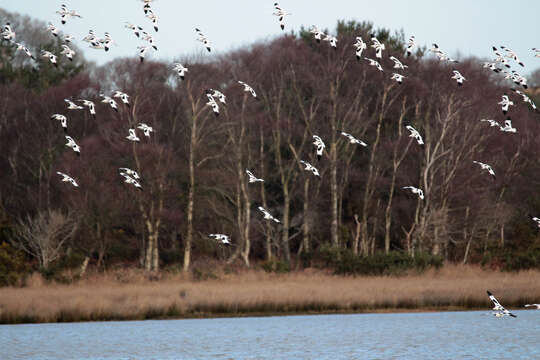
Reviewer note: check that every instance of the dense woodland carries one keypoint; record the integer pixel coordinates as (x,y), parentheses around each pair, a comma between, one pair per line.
(193,165)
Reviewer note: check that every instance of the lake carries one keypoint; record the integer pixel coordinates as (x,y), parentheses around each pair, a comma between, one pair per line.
(435,335)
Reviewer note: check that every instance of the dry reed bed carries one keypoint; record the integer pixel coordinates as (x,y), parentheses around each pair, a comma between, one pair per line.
(255,292)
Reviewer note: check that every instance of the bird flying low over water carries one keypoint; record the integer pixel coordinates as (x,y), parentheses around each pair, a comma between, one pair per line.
(398,77)
(132,136)
(505,103)
(411,44)
(253,178)
(145,129)
(374,63)
(415,190)
(248,88)
(203,39)
(280,13)
(267,215)
(309,167)
(110,101)
(62,119)
(90,105)
(67,178)
(49,55)
(352,139)
(415,134)
(360,46)
(222,239)
(180,70)
(320,146)
(525,98)
(123,96)
(458,77)
(499,310)
(72,144)
(486,167)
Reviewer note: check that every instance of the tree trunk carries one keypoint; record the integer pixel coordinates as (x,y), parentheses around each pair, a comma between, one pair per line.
(191,195)
(305,225)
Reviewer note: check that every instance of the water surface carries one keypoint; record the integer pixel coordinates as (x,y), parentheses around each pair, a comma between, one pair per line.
(446,335)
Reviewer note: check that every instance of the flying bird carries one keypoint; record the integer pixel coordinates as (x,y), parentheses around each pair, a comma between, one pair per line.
(458,77)
(110,101)
(411,44)
(222,239)
(180,70)
(145,129)
(491,122)
(508,126)
(492,66)
(68,52)
(374,63)
(123,96)
(267,215)
(90,37)
(49,55)
(67,178)
(360,46)
(21,47)
(310,167)
(280,13)
(398,64)
(499,310)
(398,77)
(129,172)
(332,40)
(378,46)
(107,41)
(203,39)
(486,167)
(149,38)
(320,146)
(65,14)
(317,34)
(537,306)
(53,29)
(212,102)
(142,51)
(512,55)
(129,180)
(218,94)
(415,190)
(253,178)
(415,134)
(505,103)
(72,144)
(352,139)
(62,119)
(132,136)
(7,33)
(536,52)
(525,98)
(72,105)
(248,88)
(68,38)
(153,17)
(90,105)
(136,29)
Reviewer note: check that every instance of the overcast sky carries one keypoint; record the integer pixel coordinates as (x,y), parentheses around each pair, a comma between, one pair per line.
(464,27)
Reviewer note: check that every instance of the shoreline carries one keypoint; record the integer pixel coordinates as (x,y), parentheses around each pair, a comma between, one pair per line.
(132,296)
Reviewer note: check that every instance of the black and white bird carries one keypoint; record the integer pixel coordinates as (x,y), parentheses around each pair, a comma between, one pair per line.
(332,40)
(309,167)
(67,178)
(415,134)
(537,306)
(90,105)
(49,55)
(536,52)
(68,52)
(398,77)
(204,40)
(72,105)
(181,70)
(21,47)
(62,119)
(486,167)
(411,45)
(492,123)
(374,63)
(90,37)
(7,33)
(123,96)
(129,172)
(435,49)
(499,310)
(142,50)
(398,64)
(150,14)
(222,239)
(415,190)
(53,29)
(352,139)
(248,88)
(267,215)
(317,34)
(253,178)
(512,55)
(525,98)
(212,102)
(68,38)
(508,126)
(136,29)
(500,58)
(360,46)
(536,220)
(280,13)
(132,136)
(107,41)
(505,103)
(96,44)
(109,100)
(65,14)
(319,144)
(129,180)
(492,66)
(458,77)
(72,144)
(378,46)
(149,38)
(145,129)
(218,94)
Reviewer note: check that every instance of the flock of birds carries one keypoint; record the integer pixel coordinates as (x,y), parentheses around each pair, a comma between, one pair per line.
(216,97)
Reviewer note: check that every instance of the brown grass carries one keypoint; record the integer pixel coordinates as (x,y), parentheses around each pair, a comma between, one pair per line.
(130,295)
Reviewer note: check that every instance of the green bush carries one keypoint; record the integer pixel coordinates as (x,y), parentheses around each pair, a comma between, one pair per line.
(277,266)
(12,265)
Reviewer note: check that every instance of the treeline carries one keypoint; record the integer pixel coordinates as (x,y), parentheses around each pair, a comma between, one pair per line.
(193,165)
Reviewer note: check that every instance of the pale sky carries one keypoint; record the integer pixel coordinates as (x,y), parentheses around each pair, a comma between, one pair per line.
(460,27)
